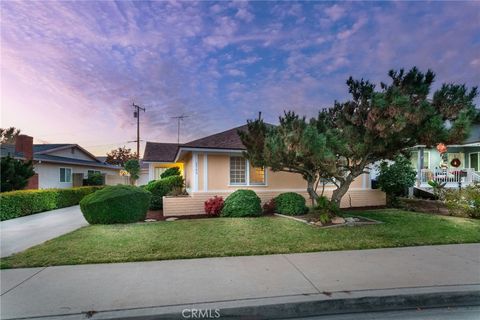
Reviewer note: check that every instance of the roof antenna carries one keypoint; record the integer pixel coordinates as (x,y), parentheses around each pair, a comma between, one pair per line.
(179,118)
(259,115)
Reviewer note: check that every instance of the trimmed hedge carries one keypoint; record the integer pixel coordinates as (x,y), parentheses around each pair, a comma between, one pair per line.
(116,204)
(173,171)
(163,187)
(290,203)
(242,203)
(21,203)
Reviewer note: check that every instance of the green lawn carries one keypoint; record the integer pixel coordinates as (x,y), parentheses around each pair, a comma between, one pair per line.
(241,236)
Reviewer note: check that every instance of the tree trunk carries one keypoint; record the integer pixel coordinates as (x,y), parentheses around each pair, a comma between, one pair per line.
(338,193)
(311,191)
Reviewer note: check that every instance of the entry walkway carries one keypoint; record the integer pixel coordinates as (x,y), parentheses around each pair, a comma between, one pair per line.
(21,233)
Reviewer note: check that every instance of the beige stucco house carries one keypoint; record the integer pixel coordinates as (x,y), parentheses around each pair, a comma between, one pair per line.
(214,165)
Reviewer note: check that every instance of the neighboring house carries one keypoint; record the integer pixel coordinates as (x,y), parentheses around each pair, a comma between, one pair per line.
(60,165)
(458,166)
(215,165)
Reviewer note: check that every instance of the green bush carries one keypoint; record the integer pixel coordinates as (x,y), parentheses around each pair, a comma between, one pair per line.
(242,203)
(116,204)
(326,207)
(290,203)
(94,179)
(21,203)
(465,202)
(395,179)
(161,188)
(173,171)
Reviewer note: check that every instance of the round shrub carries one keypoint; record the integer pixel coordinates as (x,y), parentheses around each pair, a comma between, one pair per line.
(116,204)
(290,203)
(161,188)
(242,203)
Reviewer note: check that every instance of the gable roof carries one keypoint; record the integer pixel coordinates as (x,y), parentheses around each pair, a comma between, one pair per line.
(49,146)
(224,140)
(160,152)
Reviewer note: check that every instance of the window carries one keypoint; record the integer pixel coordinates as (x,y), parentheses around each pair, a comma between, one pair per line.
(257,175)
(91,172)
(426,159)
(243,173)
(475,161)
(238,172)
(65,175)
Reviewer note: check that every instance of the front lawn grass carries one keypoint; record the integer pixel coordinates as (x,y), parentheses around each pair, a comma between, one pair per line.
(220,237)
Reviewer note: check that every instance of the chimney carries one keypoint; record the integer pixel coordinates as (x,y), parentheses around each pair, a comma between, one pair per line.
(24,144)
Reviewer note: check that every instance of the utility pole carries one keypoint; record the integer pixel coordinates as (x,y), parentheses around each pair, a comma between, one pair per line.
(179,118)
(136,114)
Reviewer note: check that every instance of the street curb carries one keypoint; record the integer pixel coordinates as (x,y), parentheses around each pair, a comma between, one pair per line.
(303,305)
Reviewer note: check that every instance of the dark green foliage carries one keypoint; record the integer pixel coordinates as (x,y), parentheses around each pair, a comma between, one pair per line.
(173,171)
(374,125)
(161,188)
(395,179)
(94,179)
(326,207)
(132,166)
(242,203)
(116,204)
(25,202)
(8,135)
(290,203)
(15,173)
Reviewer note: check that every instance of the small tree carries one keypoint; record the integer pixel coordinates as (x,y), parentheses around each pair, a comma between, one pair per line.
(173,171)
(120,156)
(395,178)
(8,135)
(133,168)
(15,173)
(374,125)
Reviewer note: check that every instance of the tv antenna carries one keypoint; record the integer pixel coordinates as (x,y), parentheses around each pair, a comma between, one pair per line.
(179,118)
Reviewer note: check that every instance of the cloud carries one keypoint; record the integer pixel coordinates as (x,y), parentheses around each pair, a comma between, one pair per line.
(82,64)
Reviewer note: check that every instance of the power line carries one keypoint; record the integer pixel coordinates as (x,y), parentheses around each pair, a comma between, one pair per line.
(179,118)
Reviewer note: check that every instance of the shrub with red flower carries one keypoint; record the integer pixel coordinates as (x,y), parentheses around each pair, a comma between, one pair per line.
(269,207)
(213,206)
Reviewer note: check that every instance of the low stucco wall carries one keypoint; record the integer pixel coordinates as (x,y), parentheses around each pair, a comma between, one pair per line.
(194,203)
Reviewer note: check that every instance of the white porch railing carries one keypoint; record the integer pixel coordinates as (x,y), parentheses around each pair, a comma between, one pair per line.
(451,177)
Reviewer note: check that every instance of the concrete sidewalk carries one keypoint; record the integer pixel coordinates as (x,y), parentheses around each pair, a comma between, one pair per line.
(22,233)
(145,288)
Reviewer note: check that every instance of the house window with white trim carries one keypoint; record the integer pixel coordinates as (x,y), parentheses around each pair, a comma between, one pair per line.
(65,175)
(426,160)
(238,170)
(243,173)
(92,172)
(256,175)
(475,161)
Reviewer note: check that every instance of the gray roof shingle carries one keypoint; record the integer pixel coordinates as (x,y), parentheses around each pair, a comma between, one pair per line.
(161,152)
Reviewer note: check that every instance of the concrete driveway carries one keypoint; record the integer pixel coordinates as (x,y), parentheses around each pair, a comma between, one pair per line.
(22,233)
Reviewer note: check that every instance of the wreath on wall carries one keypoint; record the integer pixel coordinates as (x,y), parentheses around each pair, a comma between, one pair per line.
(456,163)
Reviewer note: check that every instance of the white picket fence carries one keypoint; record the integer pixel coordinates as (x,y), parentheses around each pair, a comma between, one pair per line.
(451,177)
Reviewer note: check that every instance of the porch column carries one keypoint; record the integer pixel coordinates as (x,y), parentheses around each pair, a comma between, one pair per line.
(420,165)
(205,172)
(195,171)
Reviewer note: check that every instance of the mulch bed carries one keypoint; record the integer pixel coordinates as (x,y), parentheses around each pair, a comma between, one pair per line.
(313,218)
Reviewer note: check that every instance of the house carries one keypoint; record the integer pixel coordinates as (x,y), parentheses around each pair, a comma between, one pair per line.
(60,165)
(455,165)
(214,165)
